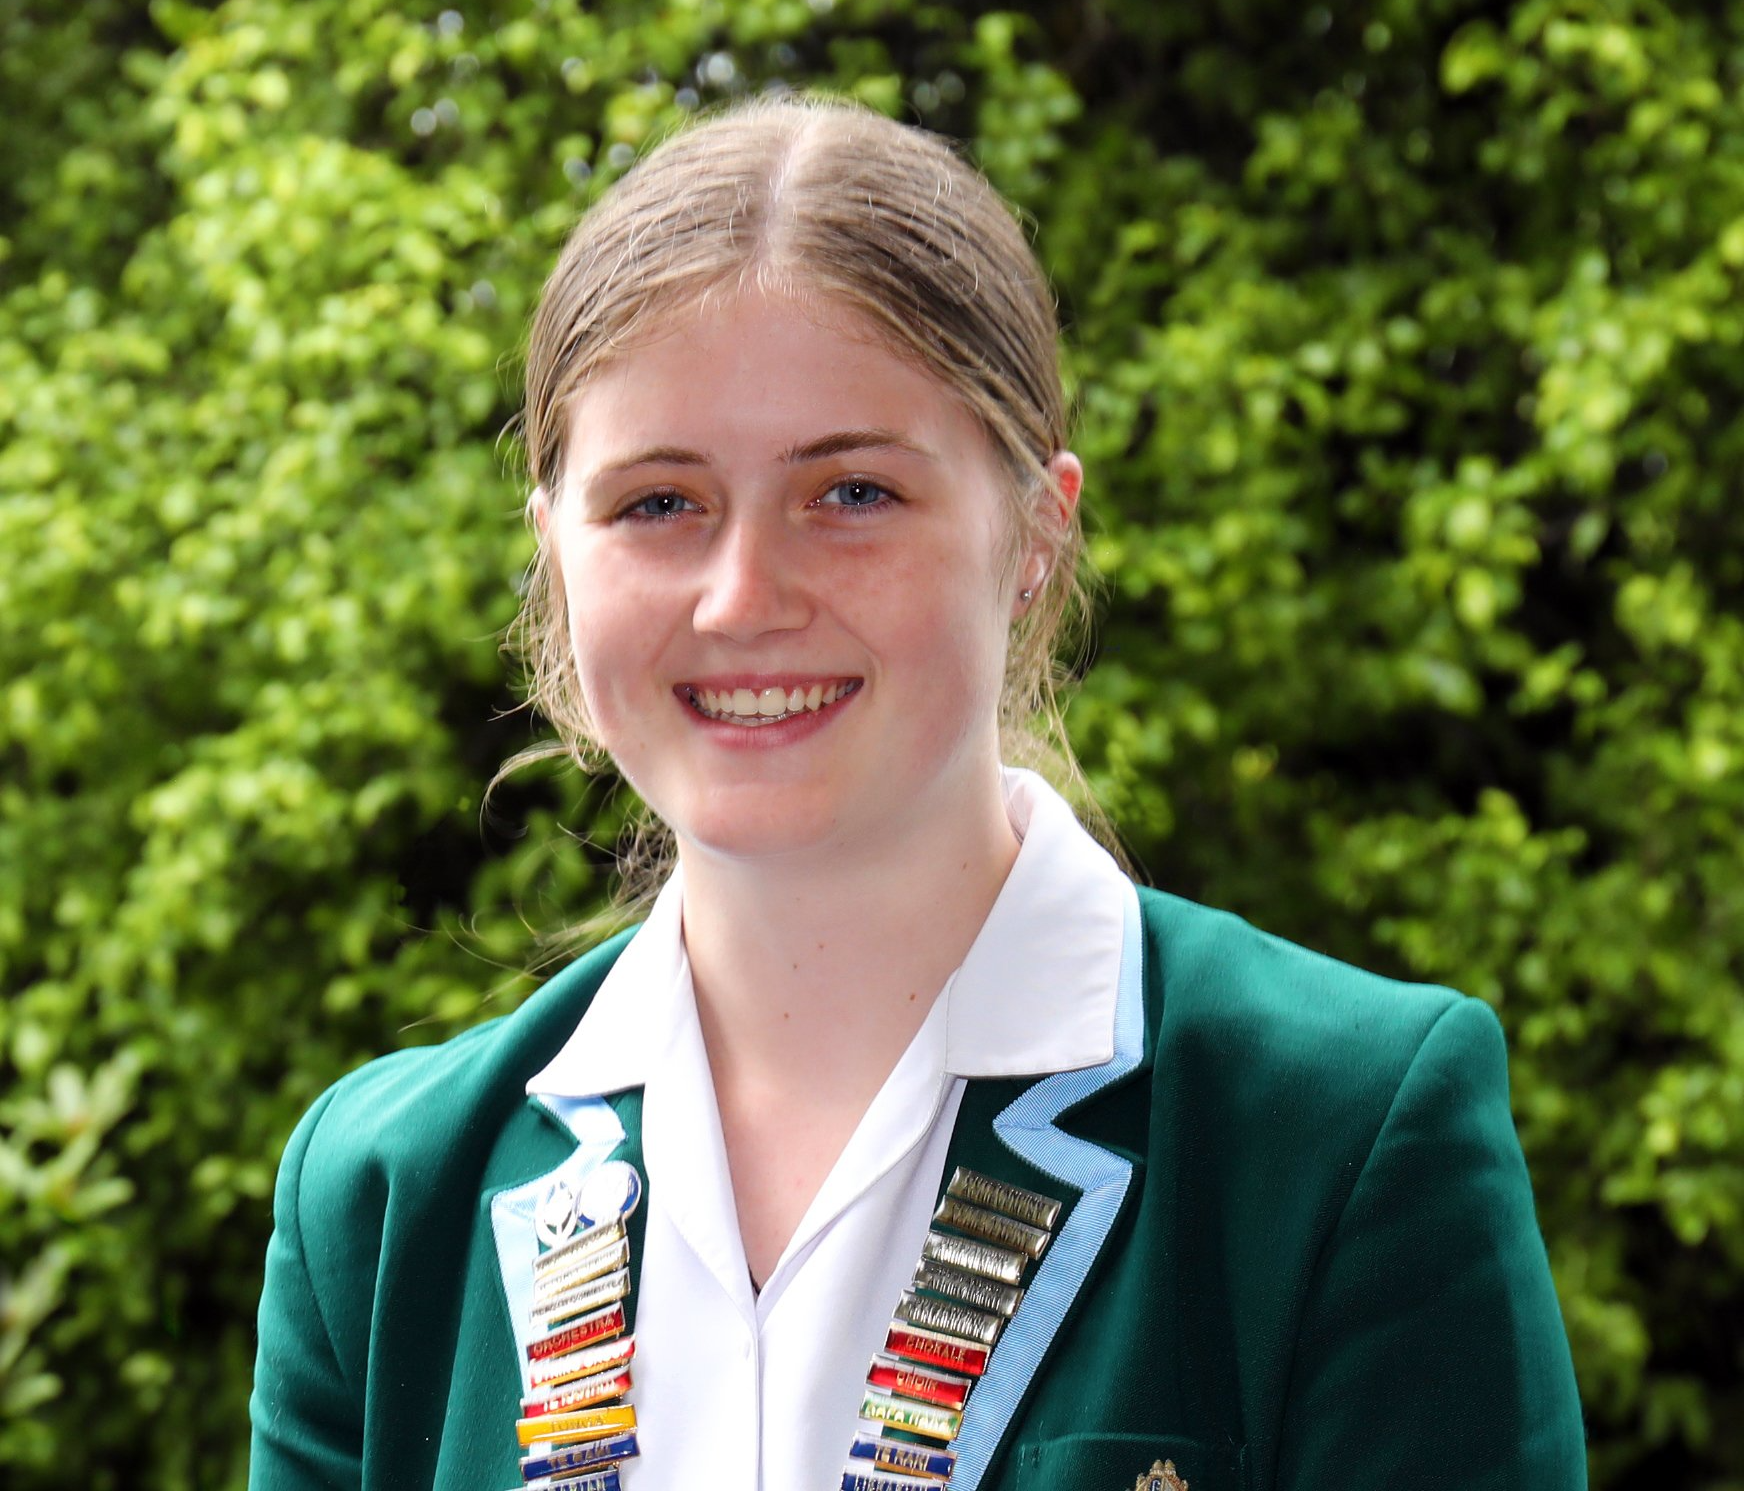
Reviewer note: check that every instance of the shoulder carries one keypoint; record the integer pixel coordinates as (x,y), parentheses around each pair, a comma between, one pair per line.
(390,1157)
(1218,978)
(411,1112)
(1270,1034)
(1298,1100)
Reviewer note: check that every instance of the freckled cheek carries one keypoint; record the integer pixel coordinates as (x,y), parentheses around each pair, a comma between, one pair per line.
(939,629)
(615,646)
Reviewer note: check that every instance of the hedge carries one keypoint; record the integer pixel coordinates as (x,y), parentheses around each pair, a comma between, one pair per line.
(1407,344)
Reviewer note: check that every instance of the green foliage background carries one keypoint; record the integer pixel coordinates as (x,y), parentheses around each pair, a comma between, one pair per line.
(1408,335)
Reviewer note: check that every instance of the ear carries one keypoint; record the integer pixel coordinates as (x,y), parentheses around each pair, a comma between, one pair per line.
(539,509)
(1067,473)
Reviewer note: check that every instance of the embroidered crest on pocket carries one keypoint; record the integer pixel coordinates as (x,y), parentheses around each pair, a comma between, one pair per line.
(1162,1476)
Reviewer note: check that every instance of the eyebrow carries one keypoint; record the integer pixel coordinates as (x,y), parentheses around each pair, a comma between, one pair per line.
(842,442)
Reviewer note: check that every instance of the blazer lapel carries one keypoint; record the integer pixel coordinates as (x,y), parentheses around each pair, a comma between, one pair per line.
(602,1128)
(1007,1129)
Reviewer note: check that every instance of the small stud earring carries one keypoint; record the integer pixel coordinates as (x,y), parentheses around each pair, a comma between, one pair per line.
(1026,595)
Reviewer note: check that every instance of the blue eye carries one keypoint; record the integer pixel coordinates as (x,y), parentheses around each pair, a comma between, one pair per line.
(856,495)
(658,507)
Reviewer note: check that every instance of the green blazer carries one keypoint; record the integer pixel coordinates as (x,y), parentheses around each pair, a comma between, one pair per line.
(1299,1248)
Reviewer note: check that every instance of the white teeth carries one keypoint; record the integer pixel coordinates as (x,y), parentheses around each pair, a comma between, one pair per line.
(766,706)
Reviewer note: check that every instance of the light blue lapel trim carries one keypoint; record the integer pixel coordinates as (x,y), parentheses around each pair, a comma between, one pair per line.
(1027,1128)
(597,1132)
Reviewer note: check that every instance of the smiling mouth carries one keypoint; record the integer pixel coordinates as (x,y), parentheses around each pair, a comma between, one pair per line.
(756,707)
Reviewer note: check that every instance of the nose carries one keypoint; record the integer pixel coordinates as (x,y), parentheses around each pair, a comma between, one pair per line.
(752,583)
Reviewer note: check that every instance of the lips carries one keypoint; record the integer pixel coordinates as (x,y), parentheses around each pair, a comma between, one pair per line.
(769,704)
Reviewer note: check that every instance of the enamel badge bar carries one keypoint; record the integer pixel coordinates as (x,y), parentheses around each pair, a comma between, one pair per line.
(577,1426)
(968,1284)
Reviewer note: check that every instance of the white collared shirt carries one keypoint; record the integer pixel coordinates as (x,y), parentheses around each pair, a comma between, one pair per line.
(738,1388)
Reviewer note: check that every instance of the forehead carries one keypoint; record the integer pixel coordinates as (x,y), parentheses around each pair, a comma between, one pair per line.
(748,375)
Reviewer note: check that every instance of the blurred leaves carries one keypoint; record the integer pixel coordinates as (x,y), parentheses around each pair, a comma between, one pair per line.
(1406,338)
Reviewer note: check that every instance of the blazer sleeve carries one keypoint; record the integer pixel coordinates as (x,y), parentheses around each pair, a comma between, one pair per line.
(306,1415)
(1432,1351)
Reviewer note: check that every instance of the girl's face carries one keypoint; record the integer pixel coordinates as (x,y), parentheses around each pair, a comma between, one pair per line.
(789,595)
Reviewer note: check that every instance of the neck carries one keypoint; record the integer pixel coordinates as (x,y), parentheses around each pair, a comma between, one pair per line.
(813,973)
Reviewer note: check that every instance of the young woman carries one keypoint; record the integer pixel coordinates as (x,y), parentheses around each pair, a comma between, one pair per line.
(906,1141)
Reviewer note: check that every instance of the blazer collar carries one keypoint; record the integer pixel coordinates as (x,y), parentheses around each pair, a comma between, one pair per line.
(602,1129)
(1012,1132)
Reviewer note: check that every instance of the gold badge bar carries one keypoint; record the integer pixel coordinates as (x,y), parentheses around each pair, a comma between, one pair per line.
(977,1257)
(575,1428)
(967,1288)
(588,1266)
(582,1299)
(559,1257)
(912,1417)
(1012,1201)
(992,1226)
(953,1320)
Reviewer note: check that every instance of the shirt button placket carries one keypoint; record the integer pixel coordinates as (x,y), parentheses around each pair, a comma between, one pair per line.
(751,1368)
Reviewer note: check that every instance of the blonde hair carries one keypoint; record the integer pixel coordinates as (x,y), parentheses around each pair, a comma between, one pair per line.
(822,198)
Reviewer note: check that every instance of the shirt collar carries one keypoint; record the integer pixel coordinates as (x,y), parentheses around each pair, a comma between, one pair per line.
(1035,993)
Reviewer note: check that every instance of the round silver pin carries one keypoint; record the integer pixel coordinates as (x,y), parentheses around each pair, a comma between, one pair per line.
(558,1213)
(613,1190)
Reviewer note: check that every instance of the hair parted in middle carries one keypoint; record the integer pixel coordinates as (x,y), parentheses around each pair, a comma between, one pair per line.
(823,200)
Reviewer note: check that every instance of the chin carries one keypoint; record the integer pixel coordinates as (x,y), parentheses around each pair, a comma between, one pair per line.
(757,822)
(738,840)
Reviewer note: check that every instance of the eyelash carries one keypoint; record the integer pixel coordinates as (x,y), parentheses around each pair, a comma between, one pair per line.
(887,498)
(632,514)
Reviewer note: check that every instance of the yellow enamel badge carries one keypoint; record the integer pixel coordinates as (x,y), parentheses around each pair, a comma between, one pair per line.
(1162,1476)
